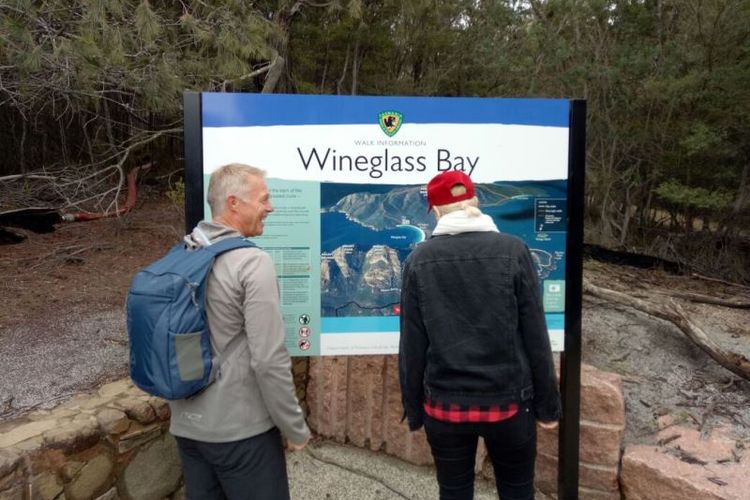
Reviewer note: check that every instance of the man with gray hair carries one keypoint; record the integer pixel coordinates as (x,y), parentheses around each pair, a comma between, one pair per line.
(230,435)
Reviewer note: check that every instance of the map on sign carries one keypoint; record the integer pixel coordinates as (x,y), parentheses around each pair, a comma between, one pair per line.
(367,231)
(348,191)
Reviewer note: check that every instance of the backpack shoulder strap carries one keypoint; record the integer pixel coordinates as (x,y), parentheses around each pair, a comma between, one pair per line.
(217,249)
(228,244)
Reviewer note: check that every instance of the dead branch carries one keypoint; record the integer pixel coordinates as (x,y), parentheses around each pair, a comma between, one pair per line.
(67,254)
(671,311)
(259,71)
(27,176)
(717,280)
(707,299)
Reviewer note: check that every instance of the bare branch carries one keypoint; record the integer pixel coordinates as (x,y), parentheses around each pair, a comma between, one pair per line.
(27,176)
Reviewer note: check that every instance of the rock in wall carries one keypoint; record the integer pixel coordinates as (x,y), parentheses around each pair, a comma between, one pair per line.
(110,445)
(358,400)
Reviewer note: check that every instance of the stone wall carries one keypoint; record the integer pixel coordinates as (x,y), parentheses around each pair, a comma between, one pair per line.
(110,445)
(115,443)
(602,425)
(358,400)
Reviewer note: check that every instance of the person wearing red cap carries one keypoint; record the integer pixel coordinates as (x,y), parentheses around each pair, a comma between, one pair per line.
(474,356)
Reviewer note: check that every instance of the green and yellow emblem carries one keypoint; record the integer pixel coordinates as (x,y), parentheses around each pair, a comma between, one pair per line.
(390,122)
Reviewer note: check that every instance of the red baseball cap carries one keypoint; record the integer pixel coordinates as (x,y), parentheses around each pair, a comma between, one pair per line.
(439,188)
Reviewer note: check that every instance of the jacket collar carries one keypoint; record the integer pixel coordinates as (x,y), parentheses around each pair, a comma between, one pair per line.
(208,232)
(460,222)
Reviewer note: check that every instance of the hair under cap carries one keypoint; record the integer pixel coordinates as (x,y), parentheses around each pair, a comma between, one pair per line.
(439,188)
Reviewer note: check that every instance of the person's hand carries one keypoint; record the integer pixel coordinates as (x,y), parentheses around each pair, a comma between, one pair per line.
(297,446)
(548,425)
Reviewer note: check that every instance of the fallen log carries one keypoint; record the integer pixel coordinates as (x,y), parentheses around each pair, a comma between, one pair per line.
(716,280)
(674,313)
(707,299)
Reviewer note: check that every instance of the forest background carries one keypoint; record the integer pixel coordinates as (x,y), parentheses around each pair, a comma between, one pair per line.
(90,89)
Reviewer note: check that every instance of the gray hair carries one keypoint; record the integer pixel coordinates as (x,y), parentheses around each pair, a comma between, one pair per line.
(230,180)
(470,206)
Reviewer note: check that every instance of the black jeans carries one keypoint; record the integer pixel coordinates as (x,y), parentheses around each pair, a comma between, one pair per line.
(252,468)
(511,445)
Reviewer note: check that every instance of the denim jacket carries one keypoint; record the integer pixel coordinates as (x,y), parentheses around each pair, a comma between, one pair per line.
(472,327)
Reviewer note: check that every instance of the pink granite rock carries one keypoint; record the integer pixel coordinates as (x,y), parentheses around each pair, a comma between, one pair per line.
(719,447)
(365,401)
(602,399)
(594,478)
(670,471)
(327,395)
(599,443)
(665,421)
(409,446)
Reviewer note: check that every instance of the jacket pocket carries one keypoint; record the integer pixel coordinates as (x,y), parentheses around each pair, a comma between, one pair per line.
(188,351)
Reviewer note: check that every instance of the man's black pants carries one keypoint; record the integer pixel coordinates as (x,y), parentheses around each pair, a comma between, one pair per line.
(253,468)
(511,445)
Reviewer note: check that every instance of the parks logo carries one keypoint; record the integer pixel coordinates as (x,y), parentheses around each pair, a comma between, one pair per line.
(390,122)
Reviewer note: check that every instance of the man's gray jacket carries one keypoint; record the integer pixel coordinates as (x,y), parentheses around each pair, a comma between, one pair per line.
(255,390)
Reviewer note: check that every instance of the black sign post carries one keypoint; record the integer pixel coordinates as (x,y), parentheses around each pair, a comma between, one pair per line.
(193,134)
(570,358)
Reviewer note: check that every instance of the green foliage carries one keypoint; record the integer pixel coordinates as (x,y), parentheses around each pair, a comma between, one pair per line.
(701,139)
(147,23)
(85,78)
(666,82)
(684,197)
(137,54)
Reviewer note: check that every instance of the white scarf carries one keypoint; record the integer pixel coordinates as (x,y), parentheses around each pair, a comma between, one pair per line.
(460,222)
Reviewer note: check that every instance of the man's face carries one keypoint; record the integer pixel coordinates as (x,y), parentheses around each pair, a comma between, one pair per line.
(252,210)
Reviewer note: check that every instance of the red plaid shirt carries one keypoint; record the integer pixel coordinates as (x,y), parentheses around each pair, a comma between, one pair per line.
(457,414)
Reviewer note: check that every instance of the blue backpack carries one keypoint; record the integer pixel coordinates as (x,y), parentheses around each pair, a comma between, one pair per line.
(170,346)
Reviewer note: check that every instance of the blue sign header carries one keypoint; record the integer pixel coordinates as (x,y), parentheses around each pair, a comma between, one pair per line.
(247,110)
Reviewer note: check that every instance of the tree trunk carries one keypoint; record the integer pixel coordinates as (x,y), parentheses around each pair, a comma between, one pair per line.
(743,191)
(626,216)
(355,65)
(280,45)
(340,83)
(325,69)
(63,142)
(274,74)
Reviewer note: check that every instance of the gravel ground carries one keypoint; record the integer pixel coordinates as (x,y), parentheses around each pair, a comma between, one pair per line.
(88,350)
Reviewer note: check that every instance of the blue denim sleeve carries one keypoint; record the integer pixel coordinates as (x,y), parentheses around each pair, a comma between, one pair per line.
(533,328)
(412,351)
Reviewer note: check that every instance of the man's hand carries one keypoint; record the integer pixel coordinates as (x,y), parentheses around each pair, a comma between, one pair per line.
(548,425)
(297,446)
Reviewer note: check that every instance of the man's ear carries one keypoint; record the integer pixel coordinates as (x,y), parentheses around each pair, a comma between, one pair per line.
(232,202)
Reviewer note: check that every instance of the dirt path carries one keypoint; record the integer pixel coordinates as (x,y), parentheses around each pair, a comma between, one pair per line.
(62,326)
